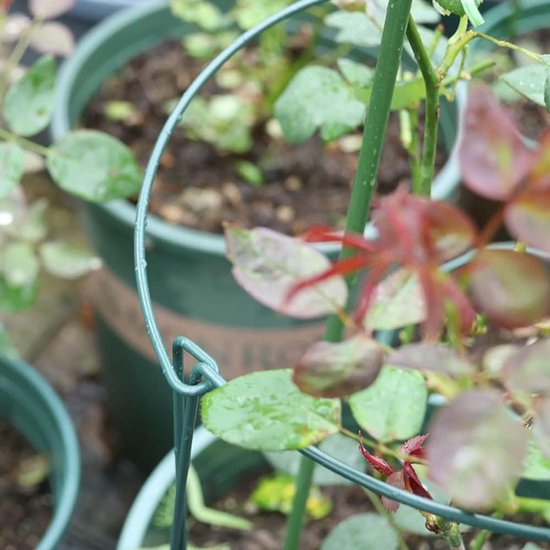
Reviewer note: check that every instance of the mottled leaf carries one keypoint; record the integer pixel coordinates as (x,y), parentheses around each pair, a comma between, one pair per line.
(341,447)
(17,298)
(393,407)
(302,107)
(68,260)
(53,38)
(48,9)
(268,264)
(12,167)
(431,357)
(511,288)
(528,217)
(495,357)
(267,412)
(330,369)
(397,302)
(28,103)
(94,166)
(362,531)
(493,157)
(529,80)
(476,448)
(18,264)
(528,369)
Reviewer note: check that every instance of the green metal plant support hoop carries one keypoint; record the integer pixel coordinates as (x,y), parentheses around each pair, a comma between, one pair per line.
(205,373)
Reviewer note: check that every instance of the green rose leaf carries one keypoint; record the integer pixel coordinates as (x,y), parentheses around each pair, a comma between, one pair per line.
(393,408)
(266,411)
(68,260)
(28,103)
(268,265)
(362,531)
(354,28)
(536,464)
(302,107)
(531,81)
(94,166)
(12,167)
(17,298)
(19,265)
(476,448)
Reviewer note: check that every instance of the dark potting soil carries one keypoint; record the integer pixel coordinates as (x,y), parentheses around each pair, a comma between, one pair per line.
(198,186)
(25,504)
(269,527)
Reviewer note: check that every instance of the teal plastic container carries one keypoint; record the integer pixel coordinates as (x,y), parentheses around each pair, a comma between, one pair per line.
(29,403)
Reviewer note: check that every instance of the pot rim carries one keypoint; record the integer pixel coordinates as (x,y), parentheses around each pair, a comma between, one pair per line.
(139,517)
(28,381)
(444,183)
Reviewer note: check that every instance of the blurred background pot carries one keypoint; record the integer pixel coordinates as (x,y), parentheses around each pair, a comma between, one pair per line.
(30,405)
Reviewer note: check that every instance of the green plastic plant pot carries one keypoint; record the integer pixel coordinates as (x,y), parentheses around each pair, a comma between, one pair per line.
(220,467)
(192,287)
(29,403)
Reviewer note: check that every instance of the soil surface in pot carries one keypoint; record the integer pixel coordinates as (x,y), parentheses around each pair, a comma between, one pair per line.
(269,527)
(200,187)
(25,496)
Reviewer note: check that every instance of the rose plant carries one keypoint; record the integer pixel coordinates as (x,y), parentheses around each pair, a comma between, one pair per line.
(474,332)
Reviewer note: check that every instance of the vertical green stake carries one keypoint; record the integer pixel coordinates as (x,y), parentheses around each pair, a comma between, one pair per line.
(391,46)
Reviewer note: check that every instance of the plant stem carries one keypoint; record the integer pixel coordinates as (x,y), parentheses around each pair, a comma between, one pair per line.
(25,143)
(510,46)
(374,131)
(482,537)
(297,515)
(376,122)
(432,81)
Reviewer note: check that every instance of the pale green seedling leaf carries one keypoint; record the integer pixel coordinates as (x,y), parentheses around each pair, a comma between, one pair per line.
(53,38)
(94,166)
(354,28)
(68,260)
(205,14)
(302,107)
(28,103)
(19,264)
(268,265)
(531,80)
(393,408)
(31,225)
(338,446)
(48,9)
(362,531)
(266,411)
(12,167)
(248,13)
